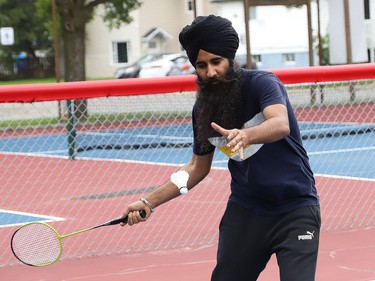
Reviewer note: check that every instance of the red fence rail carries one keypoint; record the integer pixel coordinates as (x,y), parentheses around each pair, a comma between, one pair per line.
(138,86)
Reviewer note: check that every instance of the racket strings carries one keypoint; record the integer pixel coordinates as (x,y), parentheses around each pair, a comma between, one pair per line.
(36,244)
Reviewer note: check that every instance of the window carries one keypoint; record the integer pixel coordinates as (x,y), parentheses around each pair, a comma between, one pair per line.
(152,44)
(253,13)
(257,58)
(289,58)
(120,52)
(368,55)
(190,5)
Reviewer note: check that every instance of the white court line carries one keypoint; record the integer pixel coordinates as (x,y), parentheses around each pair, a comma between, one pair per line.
(90,159)
(166,137)
(138,136)
(214,162)
(44,217)
(35,154)
(344,177)
(324,152)
(342,150)
(134,270)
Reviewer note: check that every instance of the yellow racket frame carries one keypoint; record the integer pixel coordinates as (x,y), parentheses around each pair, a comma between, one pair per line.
(59,237)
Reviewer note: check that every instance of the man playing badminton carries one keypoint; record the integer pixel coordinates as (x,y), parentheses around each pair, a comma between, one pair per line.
(273,207)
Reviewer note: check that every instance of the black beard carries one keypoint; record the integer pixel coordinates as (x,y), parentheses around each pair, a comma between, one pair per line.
(219,100)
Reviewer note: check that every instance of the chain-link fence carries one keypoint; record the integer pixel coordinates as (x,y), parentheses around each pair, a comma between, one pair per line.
(78,172)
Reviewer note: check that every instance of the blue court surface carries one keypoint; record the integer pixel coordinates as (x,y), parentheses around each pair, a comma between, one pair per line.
(12,218)
(334,149)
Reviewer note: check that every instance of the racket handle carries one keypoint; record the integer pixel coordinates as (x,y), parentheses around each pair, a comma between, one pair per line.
(124,220)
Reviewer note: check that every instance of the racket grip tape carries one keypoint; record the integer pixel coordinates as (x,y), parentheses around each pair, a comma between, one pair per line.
(125,220)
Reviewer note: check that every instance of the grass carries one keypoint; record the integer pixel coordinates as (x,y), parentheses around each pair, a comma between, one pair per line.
(29,81)
(99,119)
(41,81)
(16,124)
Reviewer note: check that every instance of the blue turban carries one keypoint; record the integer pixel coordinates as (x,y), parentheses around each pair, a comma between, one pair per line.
(212,34)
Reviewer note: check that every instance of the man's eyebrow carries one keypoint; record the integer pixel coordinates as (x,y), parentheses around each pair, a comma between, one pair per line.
(211,59)
(199,62)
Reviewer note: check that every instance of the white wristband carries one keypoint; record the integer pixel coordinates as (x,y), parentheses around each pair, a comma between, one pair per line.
(180,179)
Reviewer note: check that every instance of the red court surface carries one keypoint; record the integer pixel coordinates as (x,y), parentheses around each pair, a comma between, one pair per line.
(344,256)
(347,249)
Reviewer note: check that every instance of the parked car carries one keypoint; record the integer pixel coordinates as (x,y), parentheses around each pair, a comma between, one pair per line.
(132,71)
(182,68)
(173,64)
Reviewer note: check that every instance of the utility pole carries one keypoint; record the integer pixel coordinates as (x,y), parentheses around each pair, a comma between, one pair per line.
(56,54)
(195,8)
(247,33)
(55,42)
(349,57)
(348,37)
(310,37)
(320,49)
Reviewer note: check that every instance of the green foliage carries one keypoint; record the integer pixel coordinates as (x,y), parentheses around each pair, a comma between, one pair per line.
(324,41)
(325,50)
(33,25)
(29,31)
(117,12)
(32,22)
(44,12)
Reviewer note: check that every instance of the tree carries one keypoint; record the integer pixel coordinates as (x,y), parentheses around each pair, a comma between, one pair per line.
(74,15)
(30,34)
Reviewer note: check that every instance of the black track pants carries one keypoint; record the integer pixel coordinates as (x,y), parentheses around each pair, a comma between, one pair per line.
(247,241)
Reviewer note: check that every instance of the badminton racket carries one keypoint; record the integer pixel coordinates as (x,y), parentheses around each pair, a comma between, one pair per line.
(39,244)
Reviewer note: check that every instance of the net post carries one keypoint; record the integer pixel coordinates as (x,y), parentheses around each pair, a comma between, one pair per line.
(71,129)
(313,88)
(352,92)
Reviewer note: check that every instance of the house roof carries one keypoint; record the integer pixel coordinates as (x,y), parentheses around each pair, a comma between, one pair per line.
(156,31)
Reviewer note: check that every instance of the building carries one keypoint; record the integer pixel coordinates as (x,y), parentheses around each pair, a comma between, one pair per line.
(369,7)
(278,34)
(347,31)
(155,28)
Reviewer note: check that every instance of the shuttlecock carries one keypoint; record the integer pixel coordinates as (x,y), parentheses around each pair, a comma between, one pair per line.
(180,179)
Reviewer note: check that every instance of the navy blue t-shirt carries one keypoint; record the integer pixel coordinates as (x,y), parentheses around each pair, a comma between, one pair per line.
(278,178)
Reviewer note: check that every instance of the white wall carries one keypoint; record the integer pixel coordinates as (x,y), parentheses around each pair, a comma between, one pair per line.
(370,31)
(274,30)
(337,31)
(99,56)
(372,9)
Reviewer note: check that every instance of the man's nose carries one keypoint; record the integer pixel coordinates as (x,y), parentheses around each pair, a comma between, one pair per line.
(211,71)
